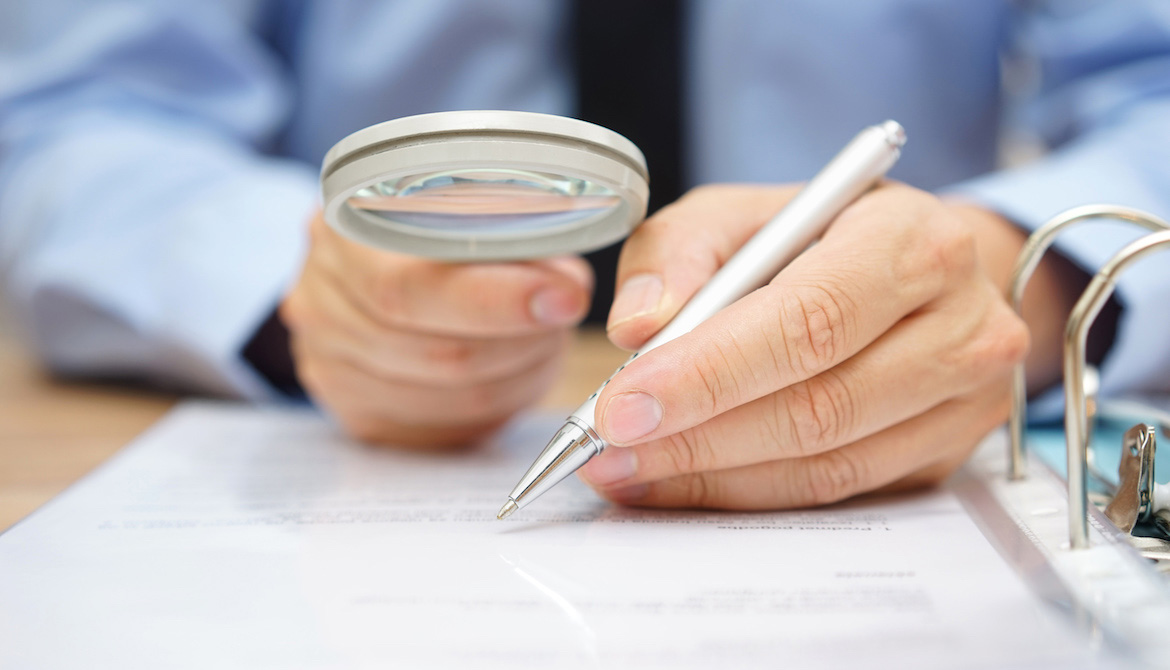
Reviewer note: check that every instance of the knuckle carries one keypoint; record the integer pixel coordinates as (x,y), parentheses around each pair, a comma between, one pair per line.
(451,360)
(294,311)
(364,428)
(314,377)
(318,227)
(957,247)
(820,412)
(481,402)
(773,424)
(657,225)
(936,253)
(833,476)
(493,401)
(999,342)
(1008,338)
(948,250)
(998,412)
(712,379)
(689,452)
(889,206)
(701,197)
(318,234)
(814,325)
(702,491)
(390,288)
(657,241)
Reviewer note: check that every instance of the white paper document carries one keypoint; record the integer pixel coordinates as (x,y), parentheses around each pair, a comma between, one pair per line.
(232,537)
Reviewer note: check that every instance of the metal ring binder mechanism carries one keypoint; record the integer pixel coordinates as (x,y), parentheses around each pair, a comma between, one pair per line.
(1026,264)
(1075,416)
(1103,562)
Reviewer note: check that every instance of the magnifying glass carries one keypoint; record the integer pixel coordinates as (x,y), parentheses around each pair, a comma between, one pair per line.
(485,185)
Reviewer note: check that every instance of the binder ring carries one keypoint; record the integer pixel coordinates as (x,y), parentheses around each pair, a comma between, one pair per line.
(1084,313)
(1026,264)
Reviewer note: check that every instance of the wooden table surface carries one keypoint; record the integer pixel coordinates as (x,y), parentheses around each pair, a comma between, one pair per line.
(53,432)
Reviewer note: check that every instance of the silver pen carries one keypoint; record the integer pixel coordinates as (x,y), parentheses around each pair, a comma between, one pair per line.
(852,172)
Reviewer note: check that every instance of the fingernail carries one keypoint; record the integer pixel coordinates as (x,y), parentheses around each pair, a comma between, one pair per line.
(554,307)
(629,494)
(610,467)
(631,415)
(639,295)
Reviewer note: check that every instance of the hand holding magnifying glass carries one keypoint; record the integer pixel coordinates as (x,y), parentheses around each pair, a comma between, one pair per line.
(410,351)
(403,346)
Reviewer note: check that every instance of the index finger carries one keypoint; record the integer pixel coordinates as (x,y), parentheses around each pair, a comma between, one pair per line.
(462,299)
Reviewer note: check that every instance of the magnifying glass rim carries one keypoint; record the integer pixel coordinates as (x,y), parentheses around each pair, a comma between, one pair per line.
(521,125)
(447,141)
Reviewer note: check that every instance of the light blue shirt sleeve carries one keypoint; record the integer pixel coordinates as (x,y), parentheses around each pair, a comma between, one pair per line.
(143,232)
(1103,103)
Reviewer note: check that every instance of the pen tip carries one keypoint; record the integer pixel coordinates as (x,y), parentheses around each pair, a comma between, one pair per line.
(507,509)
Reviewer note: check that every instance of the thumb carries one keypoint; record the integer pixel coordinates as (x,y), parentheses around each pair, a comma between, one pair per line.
(678,249)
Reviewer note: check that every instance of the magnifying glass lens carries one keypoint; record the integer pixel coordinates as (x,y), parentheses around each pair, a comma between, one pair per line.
(486,201)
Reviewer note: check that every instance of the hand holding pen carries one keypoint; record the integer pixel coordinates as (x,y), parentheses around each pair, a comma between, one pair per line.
(878,358)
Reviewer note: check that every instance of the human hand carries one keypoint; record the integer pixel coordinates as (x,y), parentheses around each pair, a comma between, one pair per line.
(414,352)
(877,359)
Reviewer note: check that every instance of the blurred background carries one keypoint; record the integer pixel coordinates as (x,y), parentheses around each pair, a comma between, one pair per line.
(159,159)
